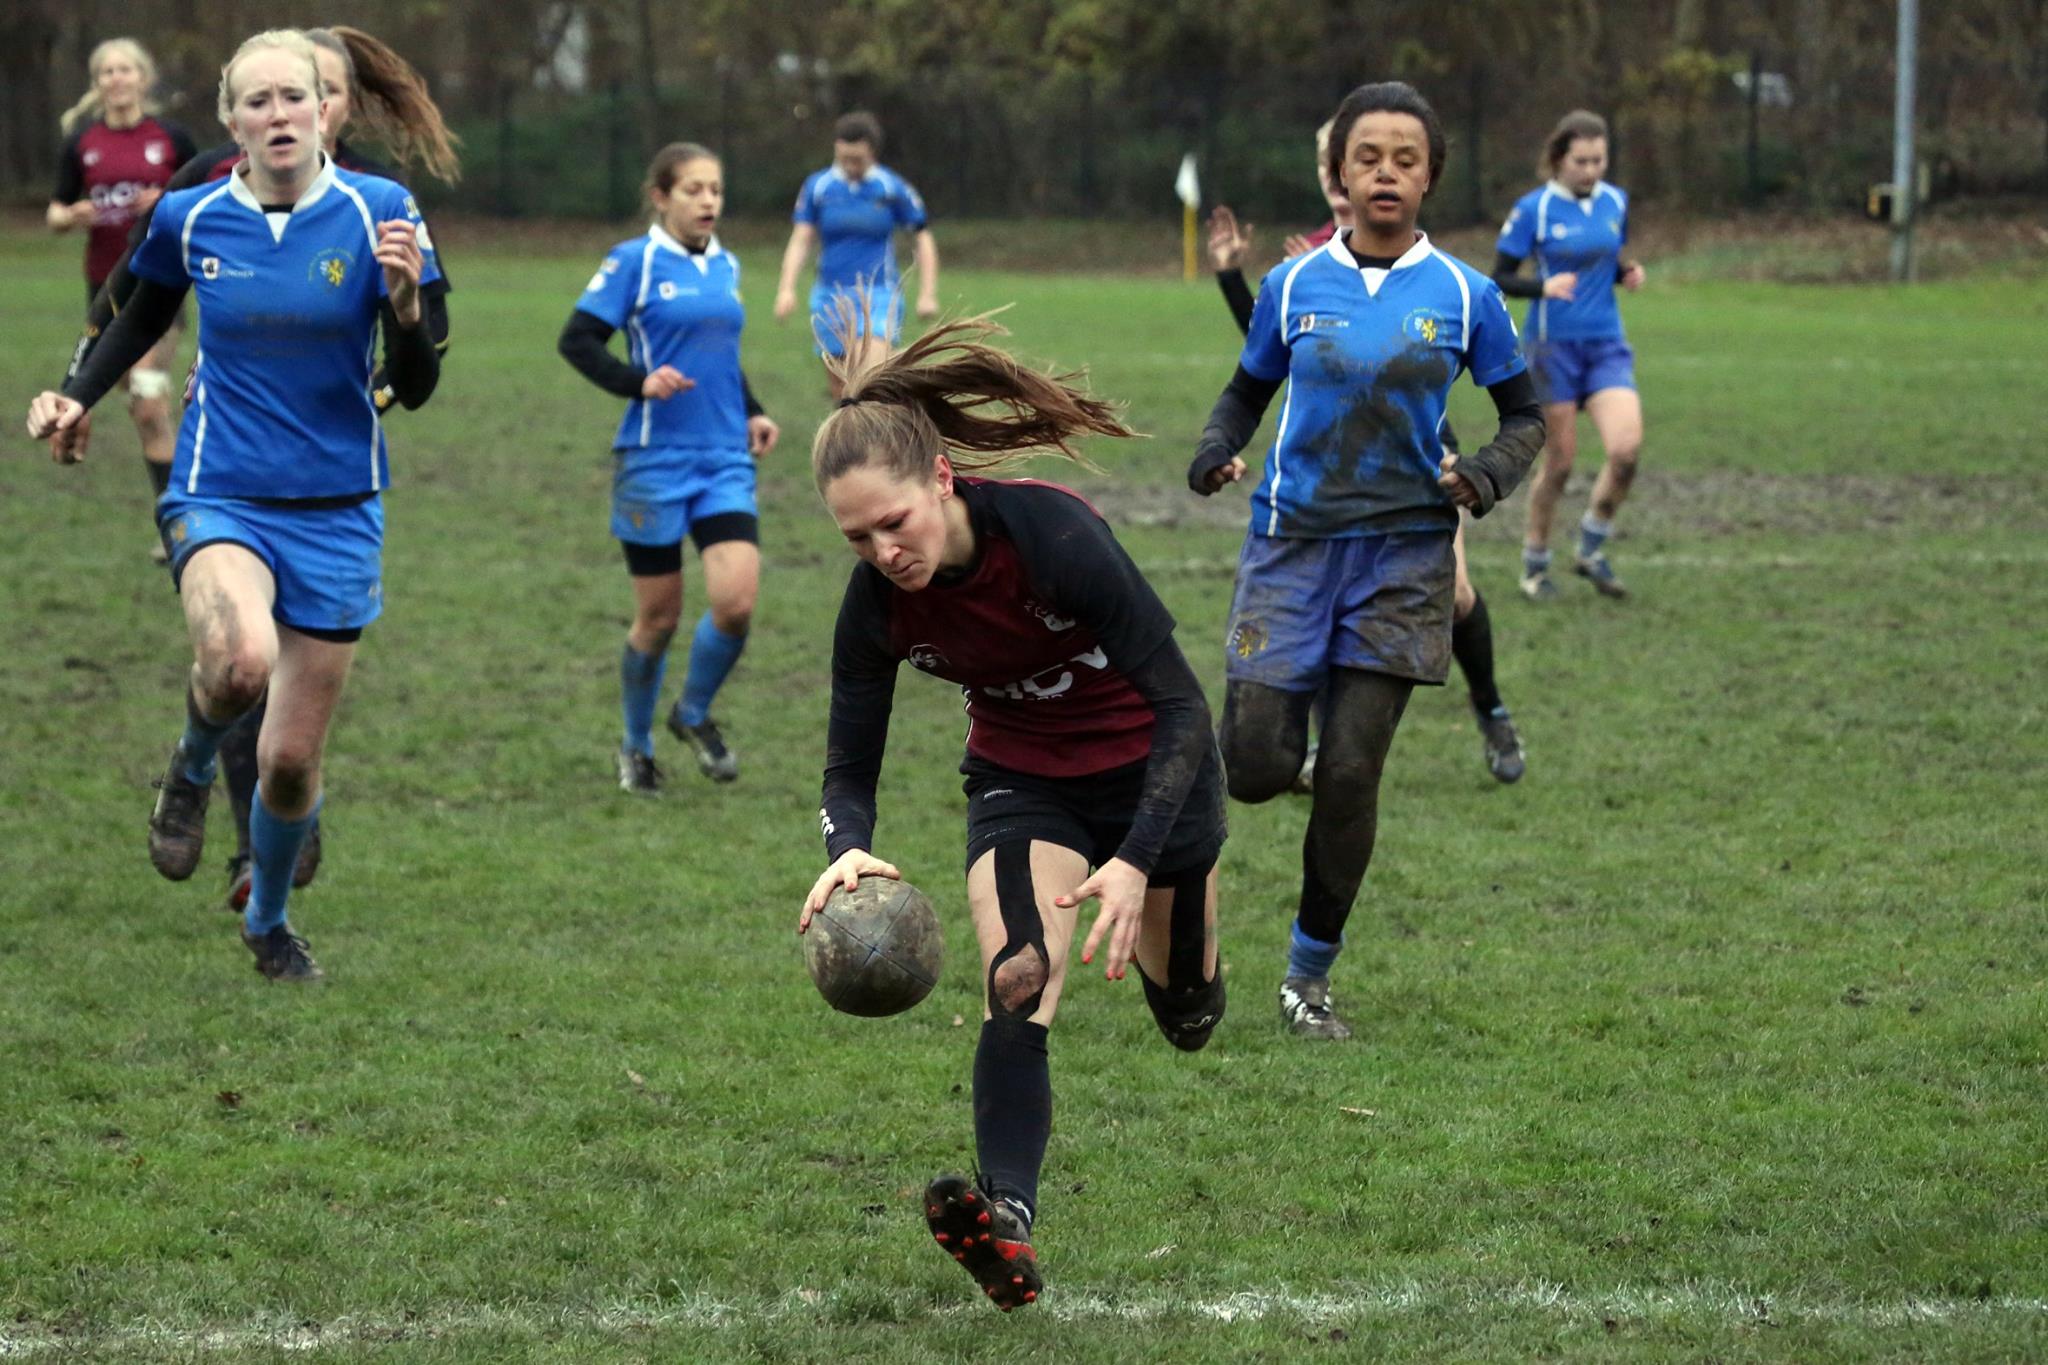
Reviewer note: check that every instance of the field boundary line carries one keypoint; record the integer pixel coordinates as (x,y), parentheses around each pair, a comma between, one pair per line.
(1727,1305)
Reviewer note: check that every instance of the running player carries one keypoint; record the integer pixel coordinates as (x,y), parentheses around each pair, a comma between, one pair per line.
(118,157)
(684,453)
(274,519)
(1346,580)
(853,209)
(1471,623)
(1575,224)
(362,76)
(1088,742)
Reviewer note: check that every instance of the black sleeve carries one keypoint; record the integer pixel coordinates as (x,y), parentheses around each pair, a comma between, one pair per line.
(1498,466)
(434,300)
(1181,738)
(1232,422)
(857,730)
(70,172)
(1506,274)
(183,148)
(149,314)
(754,408)
(582,344)
(412,355)
(1238,295)
(1074,559)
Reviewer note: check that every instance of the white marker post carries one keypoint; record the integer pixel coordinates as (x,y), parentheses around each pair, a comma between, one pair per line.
(1189,188)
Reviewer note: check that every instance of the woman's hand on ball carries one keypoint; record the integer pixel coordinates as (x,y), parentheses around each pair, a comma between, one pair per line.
(843,874)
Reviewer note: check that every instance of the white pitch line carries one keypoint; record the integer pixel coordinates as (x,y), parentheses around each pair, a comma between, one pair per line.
(1729,1305)
(1986,559)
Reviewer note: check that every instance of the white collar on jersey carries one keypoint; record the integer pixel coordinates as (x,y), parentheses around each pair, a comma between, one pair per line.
(1564,192)
(1340,248)
(238,186)
(843,178)
(667,240)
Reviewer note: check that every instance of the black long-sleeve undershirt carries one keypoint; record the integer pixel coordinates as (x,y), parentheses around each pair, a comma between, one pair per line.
(412,358)
(1507,274)
(585,344)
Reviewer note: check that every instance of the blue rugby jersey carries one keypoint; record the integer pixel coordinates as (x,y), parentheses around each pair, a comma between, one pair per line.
(288,312)
(856,222)
(1584,236)
(1369,357)
(680,308)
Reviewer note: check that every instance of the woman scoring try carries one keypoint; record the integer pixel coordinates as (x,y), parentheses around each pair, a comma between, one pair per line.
(685,451)
(1088,743)
(1346,580)
(274,521)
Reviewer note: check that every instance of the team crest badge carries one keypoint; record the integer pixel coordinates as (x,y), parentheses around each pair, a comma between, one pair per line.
(331,267)
(1427,326)
(209,267)
(927,658)
(154,153)
(668,289)
(1247,638)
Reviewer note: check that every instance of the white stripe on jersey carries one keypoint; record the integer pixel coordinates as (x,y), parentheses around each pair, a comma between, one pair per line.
(1542,270)
(1287,403)
(199,435)
(636,328)
(185,228)
(370,232)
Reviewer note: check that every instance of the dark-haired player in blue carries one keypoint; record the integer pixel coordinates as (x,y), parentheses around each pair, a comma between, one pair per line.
(1575,225)
(273,518)
(684,452)
(1346,580)
(853,209)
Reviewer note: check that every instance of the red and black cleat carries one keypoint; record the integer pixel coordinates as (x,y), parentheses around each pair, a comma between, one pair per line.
(987,1237)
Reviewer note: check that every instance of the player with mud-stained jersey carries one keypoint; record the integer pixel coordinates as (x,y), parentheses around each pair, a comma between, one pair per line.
(1091,770)
(1346,584)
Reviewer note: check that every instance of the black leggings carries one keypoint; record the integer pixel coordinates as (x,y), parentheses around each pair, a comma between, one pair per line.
(1265,738)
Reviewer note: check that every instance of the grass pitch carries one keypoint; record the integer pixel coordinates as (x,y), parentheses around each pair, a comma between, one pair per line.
(1722,1035)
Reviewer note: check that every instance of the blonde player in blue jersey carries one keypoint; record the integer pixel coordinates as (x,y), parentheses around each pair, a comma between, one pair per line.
(1575,225)
(684,451)
(852,210)
(273,517)
(1346,579)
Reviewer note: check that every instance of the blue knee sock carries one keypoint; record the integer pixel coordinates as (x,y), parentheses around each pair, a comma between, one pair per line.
(1593,533)
(200,742)
(1310,957)
(640,690)
(1535,561)
(712,655)
(274,846)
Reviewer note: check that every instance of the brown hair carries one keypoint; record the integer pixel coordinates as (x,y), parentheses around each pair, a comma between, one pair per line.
(391,98)
(1579,123)
(661,172)
(859,126)
(932,398)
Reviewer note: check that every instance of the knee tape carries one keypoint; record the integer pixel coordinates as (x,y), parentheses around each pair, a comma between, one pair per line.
(146,384)
(1024,929)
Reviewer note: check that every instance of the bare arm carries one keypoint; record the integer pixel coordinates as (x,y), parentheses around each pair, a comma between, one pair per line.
(927,273)
(793,256)
(63,217)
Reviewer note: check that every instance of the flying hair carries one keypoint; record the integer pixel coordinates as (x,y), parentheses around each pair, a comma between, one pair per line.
(950,393)
(392,99)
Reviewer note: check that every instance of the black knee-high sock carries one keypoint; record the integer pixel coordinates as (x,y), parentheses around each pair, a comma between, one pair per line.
(1012,1107)
(238,766)
(1343,819)
(159,476)
(1472,646)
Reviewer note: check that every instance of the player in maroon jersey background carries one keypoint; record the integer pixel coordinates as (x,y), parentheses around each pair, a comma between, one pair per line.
(118,157)
(1089,743)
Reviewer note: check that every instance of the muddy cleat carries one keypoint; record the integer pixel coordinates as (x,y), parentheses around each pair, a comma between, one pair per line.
(1595,569)
(308,865)
(714,759)
(177,824)
(1537,586)
(1503,746)
(639,774)
(281,955)
(986,1235)
(1188,1017)
(240,875)
(1305,1009)
(1305,780)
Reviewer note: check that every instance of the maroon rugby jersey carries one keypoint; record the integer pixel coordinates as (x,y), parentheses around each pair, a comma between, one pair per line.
(1038,633)
(111,166)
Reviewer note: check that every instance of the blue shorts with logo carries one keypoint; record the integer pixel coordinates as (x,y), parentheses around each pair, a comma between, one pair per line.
(1573,371)
(328,562)
(884,315)
(1378,603)
(659,494)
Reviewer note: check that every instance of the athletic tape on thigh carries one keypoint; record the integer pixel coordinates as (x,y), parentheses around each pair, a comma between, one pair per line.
(1187,932)
(1018,901)
(148,383)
